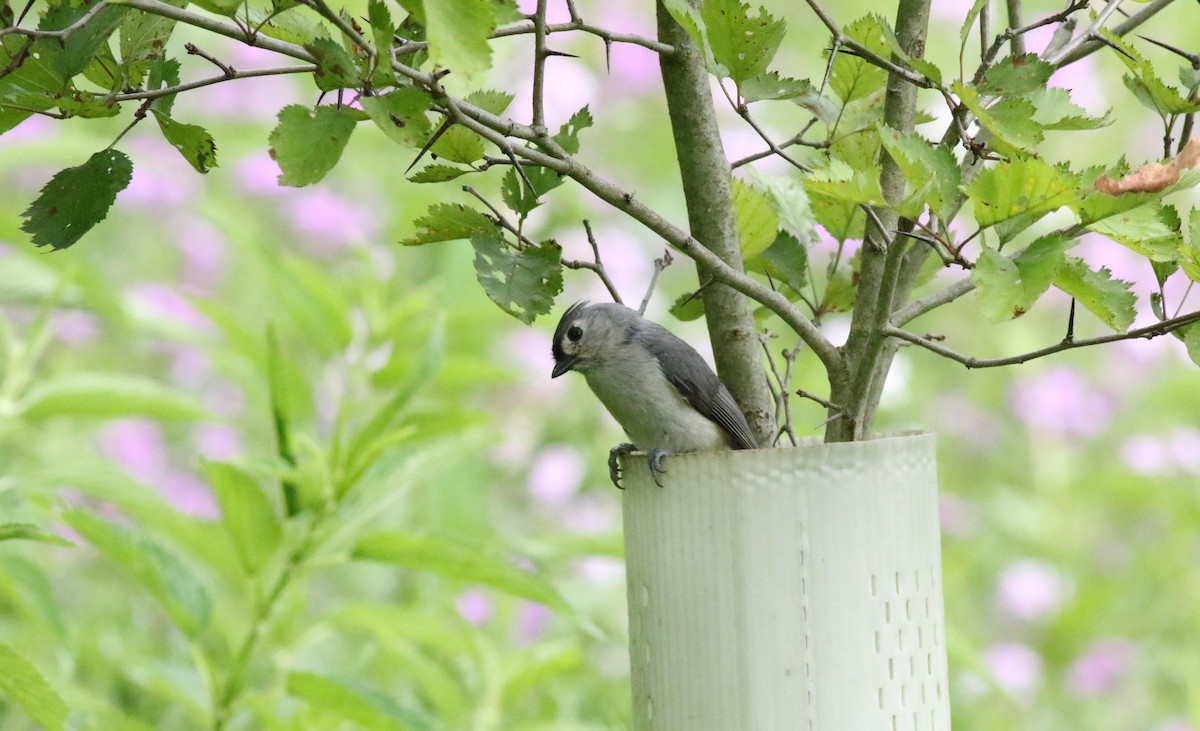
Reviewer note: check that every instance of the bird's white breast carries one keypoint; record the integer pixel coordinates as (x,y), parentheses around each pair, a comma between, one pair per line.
(651,410)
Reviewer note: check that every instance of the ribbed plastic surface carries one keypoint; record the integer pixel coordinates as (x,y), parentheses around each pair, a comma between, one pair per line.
(788,590)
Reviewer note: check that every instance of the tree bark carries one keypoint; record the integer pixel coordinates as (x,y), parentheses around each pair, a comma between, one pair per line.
(707,191)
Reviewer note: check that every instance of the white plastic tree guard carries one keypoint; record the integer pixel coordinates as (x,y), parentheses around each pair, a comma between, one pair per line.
(793,589)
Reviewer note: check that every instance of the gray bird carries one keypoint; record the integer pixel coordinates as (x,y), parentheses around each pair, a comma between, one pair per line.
(657,387)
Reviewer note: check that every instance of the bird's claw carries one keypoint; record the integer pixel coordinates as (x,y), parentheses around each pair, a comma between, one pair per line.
(614,465)
(655,462)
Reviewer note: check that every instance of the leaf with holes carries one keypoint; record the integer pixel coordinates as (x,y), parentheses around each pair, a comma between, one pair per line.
(307,143)
(854,77)
(742,43)
(76,199)
(568,135)
(192,141)
(335,68)
(771,85)
(756,219)
(449,222)
(401,114)
(1016,76)
(516,190)
(1020,187)
(523,282)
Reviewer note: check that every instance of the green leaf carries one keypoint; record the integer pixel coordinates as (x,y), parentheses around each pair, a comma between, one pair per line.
(449,222)
(1007,288)
(931,171)
(335,68)
(490,100)
(688,306)
(689,18)
(964,32)
(470,564)
(920,65)
(1191,340)
(438,173)
(76,199)
(159,571)
(29,532)
(771,85)
(854,77)
(247,514)
(104,395)
(284,386)
(383,30)
(1056,111)
(1107,298)
(568,135)
(1011,120)
(162,74)
(401,115)
(143,40)
(458,31)
(785,260)
(364,708)
(741,43)
(1016,76)
(459,144)
(517,194)
(523,282)
(1019,187)
(193,142)
(755,217)
(840,180)
(308,143)
(84,41)
(1152,230)
(21,683)
(1149,89)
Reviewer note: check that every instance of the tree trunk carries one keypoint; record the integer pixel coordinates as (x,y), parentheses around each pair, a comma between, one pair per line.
(707,190)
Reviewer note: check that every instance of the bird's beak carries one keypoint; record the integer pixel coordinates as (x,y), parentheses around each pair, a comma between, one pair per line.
(562,366)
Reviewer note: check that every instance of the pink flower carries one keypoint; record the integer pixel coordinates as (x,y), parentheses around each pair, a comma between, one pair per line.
(1146,455)
(217,441)
(475,606)
(1100,669)
(205,251)
(137,445)
(1031,590)
(530,626)
(959,516)
(1017,668)
(1061,403)
(556,475)
(76,327)
(188,493)
(330,221)
(166,301)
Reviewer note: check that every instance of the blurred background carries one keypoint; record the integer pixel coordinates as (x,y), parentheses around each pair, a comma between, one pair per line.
(1070,485)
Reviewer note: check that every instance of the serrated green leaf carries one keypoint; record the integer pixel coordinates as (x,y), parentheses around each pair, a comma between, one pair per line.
(741,43)
(459,144)
(791,204)
(490,100)
(401,114)
(1107,298)
(363,708)
(689,18)
(383,31)
(964,31)
(21,682)
(841,181)
(1145,83)
(1007,288)
(1152,230)
(1056,111)
(1016,76)
(438,173)
(159,571)
(143,39)
(76,199)
(192,141)
(246,514)
(920,65)
(30,532)
(449,222)
(854,77)
(688,306)
(308,143)
(335,68)
(102,395)
(467,563)
(83,42)
(1011,120)
(842,219)
(458,31)
(785,260)
(1020,187)
(523,282)
(518,195)
(568,135)
(162,74)
(932,174)
(756,220)
(840,292)
(1191,340)
(771,85)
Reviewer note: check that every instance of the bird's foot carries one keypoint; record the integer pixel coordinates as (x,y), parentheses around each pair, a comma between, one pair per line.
(614,465)
(655,462)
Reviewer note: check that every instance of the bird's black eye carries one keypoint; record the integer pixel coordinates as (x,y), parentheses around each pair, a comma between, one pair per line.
(574,333)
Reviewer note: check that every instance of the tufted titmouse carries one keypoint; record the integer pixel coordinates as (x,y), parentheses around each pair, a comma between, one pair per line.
(657,387)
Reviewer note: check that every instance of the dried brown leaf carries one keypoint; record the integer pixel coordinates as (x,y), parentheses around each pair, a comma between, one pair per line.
(1153,177)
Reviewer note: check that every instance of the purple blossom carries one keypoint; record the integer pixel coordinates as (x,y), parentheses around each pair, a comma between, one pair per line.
(137,445)
(556,475)
(205,252)
(259,174)
(1101,668)
(162,180)
(33,129)
(166,301)
(330,221)
(1031,590)
(1017,668)
(76,327)
(225,399)
(1184,445)
(188,493)
(532,620)
(475,606)
(1144,454)
(217,441)
(1060,402)
(959,516)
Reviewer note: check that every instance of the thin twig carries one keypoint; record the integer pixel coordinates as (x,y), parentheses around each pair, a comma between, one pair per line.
(596,265)
(168,91)
(1151,331)
(1090,45)
(797,140)
(194,51)
(138,116)
(779,389)
(743,111)
(916,308)
(660,263)
(841,39)
(61,34)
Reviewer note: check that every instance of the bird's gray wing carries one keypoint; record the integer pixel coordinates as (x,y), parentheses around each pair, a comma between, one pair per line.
(689,373)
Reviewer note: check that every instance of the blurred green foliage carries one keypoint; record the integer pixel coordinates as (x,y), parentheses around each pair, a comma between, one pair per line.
(312,480)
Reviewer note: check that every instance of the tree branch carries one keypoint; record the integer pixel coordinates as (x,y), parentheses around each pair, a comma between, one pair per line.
(915,309)
(168,91)
(1088,47)
(1151,331)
